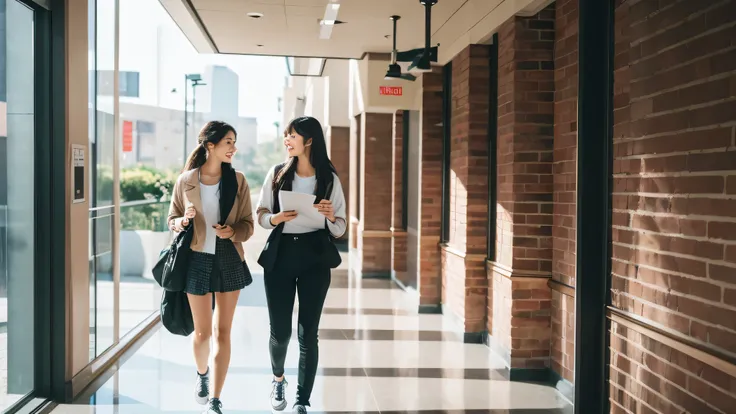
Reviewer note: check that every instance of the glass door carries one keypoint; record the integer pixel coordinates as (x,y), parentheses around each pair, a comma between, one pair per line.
(17,201)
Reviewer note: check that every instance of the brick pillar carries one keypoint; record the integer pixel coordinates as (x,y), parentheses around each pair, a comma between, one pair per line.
(430,266)
(565,185)
(523,263)
(339,138)
(375,189)
(398,227)
(464,257)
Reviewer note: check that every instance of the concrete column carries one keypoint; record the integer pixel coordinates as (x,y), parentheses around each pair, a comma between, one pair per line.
(337,122)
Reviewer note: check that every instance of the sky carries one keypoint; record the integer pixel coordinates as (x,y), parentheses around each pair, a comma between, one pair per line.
(152,44)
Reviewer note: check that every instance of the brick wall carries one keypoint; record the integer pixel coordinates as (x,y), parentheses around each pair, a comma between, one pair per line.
(430,190)
(398,239)
(375,216)
(340,156)
(524,190)
(565,184)
(674,201)
(465,287)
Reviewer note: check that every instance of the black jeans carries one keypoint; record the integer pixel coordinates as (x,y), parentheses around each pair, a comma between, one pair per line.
(298,270)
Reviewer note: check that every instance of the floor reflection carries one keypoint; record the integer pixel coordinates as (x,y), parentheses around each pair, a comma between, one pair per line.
(377,355)
(391,361)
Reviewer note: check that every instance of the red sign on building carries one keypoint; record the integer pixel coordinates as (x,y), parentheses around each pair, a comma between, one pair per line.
(127,136)
(391,90)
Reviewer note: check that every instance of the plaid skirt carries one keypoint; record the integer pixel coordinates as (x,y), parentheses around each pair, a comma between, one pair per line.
(219,272)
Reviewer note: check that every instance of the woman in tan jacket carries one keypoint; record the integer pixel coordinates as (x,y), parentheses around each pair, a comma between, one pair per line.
(215,199)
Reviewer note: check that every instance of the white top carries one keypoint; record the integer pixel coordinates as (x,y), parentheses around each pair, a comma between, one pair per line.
(306,185)
(210,195)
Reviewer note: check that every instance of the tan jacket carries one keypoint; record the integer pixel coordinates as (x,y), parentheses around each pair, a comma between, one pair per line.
(186,193)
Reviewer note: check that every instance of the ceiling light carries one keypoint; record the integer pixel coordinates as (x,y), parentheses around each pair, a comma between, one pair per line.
(255,15)
(421,63)
(329,20)
(394,70)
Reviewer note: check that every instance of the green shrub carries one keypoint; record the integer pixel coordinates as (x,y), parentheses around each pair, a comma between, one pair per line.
(146,183)
(141,183)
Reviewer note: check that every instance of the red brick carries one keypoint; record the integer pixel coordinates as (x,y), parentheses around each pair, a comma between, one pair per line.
(731,184)
(722,273)
(722,231)
(399,240)
(376,139)
(672,226)
(731,254)
(430,193)
(339,138)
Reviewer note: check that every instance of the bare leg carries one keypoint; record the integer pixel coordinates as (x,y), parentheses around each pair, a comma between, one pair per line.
(202,314)
(224,312)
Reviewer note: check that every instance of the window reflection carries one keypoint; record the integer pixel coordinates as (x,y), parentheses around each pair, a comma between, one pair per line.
(17,201)
(102,151)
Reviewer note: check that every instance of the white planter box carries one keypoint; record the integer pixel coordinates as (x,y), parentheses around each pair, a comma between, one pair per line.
(139,251)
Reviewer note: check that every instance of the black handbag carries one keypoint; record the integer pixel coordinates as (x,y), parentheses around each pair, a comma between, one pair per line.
(176,314)
(330,254)
(170,272)
(267,258)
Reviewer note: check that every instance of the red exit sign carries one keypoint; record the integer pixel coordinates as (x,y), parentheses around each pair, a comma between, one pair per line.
(392,90)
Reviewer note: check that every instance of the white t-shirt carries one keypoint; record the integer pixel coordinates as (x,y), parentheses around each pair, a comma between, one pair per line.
(210,195)
(305,185)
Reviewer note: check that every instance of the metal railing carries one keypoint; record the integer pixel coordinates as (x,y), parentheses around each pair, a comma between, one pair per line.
(144,215)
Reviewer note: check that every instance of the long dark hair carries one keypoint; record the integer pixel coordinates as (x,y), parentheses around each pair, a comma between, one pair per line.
(308,127)
(214,132)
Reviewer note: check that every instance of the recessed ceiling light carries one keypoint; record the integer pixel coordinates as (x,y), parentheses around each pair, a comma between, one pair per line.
(255,15)
(323,22)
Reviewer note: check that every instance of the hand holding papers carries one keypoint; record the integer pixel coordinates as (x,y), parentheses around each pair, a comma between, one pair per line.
(303,204)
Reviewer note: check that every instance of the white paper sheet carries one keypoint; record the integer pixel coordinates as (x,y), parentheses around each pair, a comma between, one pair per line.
(303,204)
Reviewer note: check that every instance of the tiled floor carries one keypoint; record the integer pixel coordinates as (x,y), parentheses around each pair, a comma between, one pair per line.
(377,355)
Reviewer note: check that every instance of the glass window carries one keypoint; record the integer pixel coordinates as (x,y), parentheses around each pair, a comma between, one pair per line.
(91,129)
(147,172)
(102,152)
(17,201)
(129,83)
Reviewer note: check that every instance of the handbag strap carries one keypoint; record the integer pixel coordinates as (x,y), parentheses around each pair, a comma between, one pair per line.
(275,190)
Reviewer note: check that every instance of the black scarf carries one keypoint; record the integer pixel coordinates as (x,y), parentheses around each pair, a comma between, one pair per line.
(228,191)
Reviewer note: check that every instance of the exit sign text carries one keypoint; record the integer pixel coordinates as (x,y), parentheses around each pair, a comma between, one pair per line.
(392,90)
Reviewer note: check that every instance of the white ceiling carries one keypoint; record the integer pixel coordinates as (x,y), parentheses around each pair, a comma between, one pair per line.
(291,27)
